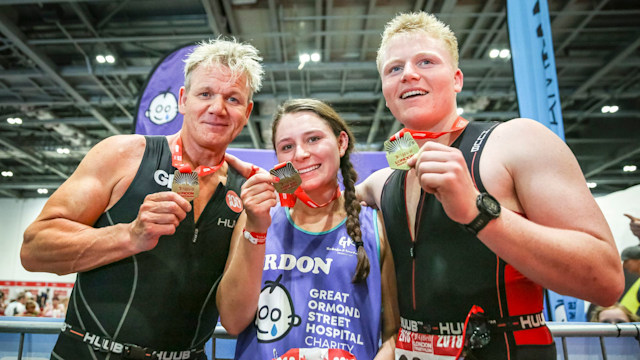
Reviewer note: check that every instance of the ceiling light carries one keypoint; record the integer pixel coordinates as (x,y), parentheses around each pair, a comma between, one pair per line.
(7,173)
(14,121)
(609,109)
(494,53)
(100,59)
(505,53)
(62,150)
(629,168)
(315,57)
(110,59)
(42,191)
(304,57)
(591,185)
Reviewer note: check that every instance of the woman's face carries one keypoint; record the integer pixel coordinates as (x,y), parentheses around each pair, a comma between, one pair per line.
(613,316)
(305,139)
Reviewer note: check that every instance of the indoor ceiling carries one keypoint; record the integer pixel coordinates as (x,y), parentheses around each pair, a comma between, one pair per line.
(51,80)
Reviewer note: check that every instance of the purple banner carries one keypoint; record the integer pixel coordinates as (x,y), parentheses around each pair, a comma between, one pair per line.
(365,163)
(158,105)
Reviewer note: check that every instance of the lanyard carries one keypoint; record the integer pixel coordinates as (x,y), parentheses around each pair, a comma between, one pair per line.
(289,200)
(176,161)
(459,124)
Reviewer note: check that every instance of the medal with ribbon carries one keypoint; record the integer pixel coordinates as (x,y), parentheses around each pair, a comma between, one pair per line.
(402,145)
(289,189)
(185,180)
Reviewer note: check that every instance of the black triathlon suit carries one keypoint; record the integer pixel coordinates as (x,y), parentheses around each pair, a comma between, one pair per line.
(162,299)
(447,270)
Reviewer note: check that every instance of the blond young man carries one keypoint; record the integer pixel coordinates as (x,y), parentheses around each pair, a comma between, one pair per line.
(487,215)
(149,261)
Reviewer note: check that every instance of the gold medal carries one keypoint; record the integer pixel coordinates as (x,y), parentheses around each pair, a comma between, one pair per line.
(289,178)
(400,150)
(186,185)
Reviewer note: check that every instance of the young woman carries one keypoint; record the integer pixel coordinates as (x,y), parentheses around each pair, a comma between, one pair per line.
(328,281)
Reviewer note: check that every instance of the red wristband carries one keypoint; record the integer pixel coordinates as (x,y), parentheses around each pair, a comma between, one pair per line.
(255,238)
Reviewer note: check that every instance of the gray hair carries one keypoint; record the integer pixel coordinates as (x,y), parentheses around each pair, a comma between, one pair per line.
(240,58)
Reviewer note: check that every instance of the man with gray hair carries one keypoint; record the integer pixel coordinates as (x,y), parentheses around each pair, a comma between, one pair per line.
(150,261)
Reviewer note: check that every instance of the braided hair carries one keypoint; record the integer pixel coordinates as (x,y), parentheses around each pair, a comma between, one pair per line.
(349,175)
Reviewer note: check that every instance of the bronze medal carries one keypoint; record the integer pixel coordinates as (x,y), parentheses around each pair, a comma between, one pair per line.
(400,150)
(289,178)
(186,185)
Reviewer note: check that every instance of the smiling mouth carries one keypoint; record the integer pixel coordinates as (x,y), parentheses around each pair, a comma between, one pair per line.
(310,168)
(412,93)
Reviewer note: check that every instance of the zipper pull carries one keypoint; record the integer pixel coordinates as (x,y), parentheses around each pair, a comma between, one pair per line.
(195,236)
(412,251)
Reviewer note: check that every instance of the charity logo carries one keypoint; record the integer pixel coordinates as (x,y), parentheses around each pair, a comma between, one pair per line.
(276,315)
(163,108)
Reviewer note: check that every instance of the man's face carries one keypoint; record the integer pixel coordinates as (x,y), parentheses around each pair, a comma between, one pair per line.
(419,82)
(216,107)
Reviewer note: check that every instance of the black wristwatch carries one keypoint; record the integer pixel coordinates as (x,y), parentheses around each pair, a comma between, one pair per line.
(489,209)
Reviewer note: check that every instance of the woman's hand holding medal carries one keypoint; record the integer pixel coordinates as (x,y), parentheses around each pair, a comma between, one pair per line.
(258,197)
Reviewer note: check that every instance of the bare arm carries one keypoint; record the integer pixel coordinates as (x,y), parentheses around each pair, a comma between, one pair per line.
(239,290)
(62,240)
(370,190)
(390,310)
(563,242)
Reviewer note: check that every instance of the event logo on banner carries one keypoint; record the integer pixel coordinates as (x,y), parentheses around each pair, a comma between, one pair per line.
(534,65)
(157,112)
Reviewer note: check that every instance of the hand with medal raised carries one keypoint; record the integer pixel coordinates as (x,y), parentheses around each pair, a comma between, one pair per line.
(258,197)
(442,171)
(160,214)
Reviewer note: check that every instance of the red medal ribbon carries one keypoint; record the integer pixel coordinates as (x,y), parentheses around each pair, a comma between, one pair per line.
(289,200)
(459,124)
(176,161)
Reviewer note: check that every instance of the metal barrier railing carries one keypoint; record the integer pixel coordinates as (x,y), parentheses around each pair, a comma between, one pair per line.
(559,330)
(599,330)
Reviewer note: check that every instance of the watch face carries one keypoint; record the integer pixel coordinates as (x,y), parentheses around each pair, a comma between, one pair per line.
(491,205)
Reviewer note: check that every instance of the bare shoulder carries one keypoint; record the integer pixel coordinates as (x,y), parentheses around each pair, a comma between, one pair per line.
(370,190)
(102,177)
(538,171)
(525,132)
(118,148)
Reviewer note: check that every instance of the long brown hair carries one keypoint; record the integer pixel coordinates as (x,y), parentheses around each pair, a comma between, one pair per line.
(349,175)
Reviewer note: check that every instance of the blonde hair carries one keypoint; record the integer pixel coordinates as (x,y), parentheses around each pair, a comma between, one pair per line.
(596,313)
(413,22)
(240,58)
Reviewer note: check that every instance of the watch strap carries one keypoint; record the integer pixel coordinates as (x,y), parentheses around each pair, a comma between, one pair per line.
(478,223)
(486,213)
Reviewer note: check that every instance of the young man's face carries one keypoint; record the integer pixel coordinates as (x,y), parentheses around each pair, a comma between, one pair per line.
(216,106)
(419,82)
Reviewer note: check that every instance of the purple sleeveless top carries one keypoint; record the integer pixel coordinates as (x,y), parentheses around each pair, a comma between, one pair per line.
(308,300)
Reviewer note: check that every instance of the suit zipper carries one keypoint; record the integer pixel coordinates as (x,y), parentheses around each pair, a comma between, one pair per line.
(195,236)
(414,240)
